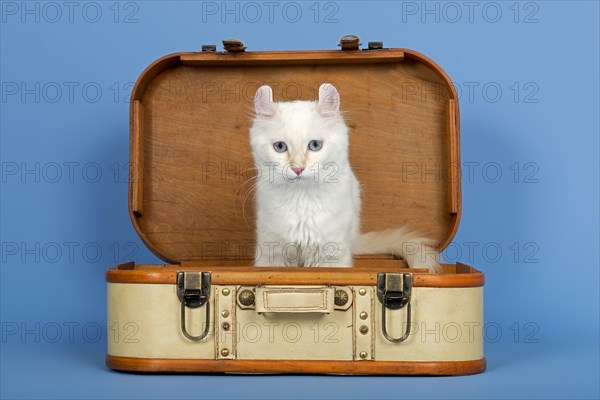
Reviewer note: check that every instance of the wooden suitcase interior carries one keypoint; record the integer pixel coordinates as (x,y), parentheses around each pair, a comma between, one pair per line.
(190,197)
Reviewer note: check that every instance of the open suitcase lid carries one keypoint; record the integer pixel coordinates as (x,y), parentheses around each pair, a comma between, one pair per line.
(189,198)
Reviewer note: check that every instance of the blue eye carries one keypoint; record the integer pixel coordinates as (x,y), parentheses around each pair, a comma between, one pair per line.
(280,147)
(315,145)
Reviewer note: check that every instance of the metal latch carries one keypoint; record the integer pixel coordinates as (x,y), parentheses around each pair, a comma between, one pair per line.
(349,42)
(375,46)
(393,291)
(193,291)
(209,47)
(234,46)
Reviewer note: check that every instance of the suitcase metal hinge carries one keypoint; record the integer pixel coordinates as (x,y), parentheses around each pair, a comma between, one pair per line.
(394,291)
(193,291)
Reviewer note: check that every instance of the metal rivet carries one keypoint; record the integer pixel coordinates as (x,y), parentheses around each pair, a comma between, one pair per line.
(341,298)
(233,45)
(224,352)
(225,314)
(246,297)
(375,45)
(364,329)
(363,354)
(362,291)
(226,292)
(226,326)
(363,315)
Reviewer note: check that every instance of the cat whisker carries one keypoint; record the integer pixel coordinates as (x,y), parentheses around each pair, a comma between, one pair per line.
(246,195)
(252,188)
(247,181)
(250,181)
(362,192)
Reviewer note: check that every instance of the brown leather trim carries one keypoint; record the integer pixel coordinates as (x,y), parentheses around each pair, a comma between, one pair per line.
(137,157)
(459,276)
(297,366)
(454,148)
(290,57)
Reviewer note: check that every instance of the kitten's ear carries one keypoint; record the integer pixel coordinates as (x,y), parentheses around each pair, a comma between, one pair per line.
(329,100)
(263,102)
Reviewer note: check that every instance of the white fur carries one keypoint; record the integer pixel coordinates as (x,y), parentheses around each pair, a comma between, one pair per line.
(314,219)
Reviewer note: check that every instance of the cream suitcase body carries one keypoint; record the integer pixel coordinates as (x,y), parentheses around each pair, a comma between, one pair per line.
(208,309)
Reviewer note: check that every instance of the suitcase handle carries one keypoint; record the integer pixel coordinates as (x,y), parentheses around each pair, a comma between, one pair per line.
(305,299)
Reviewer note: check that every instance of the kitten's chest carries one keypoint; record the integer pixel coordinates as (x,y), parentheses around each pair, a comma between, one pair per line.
(298,215)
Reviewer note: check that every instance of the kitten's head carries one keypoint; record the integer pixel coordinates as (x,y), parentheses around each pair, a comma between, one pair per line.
(300,140)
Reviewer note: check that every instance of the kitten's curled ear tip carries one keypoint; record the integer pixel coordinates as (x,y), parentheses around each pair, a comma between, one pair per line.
(264,93)
(263,101)
(327,86)
(329,100)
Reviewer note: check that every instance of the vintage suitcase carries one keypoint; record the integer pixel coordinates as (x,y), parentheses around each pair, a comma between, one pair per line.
(208,309)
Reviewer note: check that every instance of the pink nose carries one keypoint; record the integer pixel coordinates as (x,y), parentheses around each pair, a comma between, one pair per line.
(298,170)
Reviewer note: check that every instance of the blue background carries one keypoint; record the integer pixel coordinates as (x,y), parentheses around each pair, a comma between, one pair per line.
(532,117)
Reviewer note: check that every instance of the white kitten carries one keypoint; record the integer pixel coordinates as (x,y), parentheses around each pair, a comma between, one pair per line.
(307,197)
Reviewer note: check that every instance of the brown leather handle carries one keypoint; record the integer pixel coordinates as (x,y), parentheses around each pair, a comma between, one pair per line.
(136,158)
(454,158)
(300,299)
